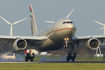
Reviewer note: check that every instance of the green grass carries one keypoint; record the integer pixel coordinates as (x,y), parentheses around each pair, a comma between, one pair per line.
(52,66)
(92,59)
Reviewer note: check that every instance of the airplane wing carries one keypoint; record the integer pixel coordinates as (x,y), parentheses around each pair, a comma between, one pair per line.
(21,42)
(88,37)
(12,39)
(91,41)
(23,37)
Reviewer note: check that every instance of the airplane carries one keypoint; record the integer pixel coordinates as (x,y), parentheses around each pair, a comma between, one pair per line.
(11,29)
(54,37)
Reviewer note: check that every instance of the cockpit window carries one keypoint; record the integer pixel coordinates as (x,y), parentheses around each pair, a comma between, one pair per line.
(71,22)
(67,22)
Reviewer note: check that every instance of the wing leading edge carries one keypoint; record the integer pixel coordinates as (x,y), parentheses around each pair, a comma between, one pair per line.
(24,37)
(88,37)
(92,42)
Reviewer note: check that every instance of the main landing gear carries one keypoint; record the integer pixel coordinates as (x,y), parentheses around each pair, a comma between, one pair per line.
(71,55)
(29,56)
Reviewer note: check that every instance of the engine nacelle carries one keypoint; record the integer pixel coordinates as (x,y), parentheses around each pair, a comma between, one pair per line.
(20,44)
(93,44)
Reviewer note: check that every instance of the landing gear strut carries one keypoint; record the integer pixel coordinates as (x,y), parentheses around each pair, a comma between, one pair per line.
(66,39)
(29,56)
(71,55)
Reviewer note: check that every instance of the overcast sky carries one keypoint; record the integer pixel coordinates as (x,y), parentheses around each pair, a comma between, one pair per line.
(85,12)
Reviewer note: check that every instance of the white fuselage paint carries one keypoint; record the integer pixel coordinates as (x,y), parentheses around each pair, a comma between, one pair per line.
(56,33)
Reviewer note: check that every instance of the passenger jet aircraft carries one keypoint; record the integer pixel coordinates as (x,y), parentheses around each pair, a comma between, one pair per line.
(60,34)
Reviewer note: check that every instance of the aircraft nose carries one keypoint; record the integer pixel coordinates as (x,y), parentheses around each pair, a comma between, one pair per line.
(72,25)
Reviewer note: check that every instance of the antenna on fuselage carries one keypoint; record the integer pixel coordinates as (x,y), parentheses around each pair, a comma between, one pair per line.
(11,29)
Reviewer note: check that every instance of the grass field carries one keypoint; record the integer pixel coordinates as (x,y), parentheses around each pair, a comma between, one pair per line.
(52,66)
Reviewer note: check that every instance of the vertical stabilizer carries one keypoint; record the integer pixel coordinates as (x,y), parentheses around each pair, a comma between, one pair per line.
(33,23)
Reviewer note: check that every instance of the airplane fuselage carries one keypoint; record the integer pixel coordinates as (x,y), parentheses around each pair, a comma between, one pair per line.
(56,34)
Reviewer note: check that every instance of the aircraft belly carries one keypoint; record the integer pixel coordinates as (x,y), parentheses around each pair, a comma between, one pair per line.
(50,45)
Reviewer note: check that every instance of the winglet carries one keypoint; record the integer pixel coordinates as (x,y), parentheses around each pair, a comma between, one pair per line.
(33,23)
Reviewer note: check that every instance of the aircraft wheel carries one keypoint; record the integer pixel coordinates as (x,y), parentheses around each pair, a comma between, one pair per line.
(32,59)
(26,59)
(27,55)
(74,55)
(33,55)
(67,58)
(73,59)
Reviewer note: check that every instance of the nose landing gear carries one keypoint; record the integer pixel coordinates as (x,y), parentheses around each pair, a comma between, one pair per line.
(66,39)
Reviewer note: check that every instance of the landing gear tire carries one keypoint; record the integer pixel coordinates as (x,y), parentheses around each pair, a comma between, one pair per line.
(67,58)
(70,57)
(27,57)
(33,55)
(74,55)
(73,59)
(31,59)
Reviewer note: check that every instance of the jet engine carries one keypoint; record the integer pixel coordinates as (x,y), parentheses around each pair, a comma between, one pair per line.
(19,44)
(93,44)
